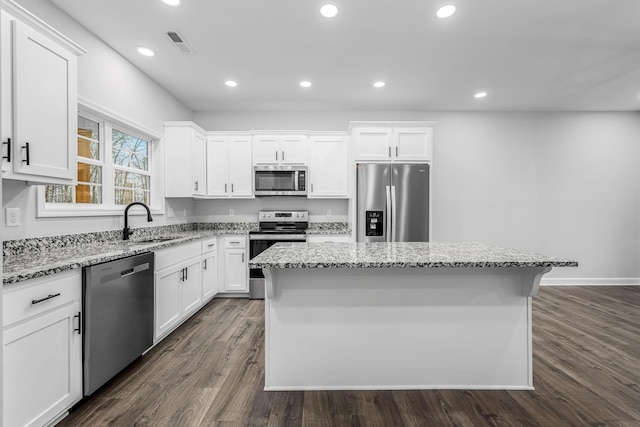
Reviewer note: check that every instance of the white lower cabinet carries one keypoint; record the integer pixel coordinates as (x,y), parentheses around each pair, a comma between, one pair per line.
(178,286)
(209,269)
(42,370)
(235,269)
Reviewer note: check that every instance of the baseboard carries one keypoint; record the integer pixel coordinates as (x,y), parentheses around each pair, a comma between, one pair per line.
(591,281)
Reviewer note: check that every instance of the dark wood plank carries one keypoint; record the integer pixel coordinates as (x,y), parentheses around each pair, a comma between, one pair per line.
(210,372)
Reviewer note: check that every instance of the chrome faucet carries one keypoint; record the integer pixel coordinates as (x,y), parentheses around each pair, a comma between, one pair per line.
(126,232)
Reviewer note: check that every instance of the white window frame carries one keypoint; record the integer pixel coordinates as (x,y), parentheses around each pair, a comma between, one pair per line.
(112,120)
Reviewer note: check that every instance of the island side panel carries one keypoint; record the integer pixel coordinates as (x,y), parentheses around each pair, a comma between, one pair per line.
(397,328)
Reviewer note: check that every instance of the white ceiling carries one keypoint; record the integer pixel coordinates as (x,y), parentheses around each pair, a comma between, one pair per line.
(527,54)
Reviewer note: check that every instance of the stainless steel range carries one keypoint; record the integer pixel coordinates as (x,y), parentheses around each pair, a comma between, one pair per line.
(275,227)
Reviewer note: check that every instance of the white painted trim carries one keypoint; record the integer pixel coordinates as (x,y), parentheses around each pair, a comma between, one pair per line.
(398,387)
(23,15)
(115,118)
(389,124)
(184,123)
(591,281)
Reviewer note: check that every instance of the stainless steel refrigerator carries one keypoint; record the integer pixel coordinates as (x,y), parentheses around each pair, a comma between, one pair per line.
(392,202)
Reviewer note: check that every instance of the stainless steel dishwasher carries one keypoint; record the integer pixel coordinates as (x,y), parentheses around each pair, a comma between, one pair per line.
(118,316)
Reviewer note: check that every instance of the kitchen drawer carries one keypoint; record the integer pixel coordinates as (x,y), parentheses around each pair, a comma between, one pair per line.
(176,254)
(209,245)
(18,299)
(235,242)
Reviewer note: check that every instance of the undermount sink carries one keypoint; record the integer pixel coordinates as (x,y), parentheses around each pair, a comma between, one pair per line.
(152,240)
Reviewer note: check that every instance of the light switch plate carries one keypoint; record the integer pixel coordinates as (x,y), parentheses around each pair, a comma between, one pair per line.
(12,217)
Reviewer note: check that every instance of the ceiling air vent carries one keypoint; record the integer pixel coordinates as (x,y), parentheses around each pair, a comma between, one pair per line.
(180,42)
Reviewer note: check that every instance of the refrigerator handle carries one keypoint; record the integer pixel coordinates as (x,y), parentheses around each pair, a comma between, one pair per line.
(387,236)
(393,213)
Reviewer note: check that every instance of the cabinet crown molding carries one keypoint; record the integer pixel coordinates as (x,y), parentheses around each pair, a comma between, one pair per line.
(23,15)
(183,123)
(390,124)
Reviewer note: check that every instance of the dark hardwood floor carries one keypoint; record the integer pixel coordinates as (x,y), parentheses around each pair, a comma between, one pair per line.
(209,372)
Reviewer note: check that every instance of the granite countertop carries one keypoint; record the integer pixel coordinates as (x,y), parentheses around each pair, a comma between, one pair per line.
(30,258)
(36,257)
(406,255)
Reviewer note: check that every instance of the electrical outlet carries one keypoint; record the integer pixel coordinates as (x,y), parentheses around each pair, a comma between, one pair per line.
(232,212)
(184,212)
(328,212)
(12,217)
(171,213)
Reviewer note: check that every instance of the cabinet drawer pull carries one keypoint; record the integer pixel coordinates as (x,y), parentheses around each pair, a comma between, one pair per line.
(79,328)
(210,245)
(26,147)
(8,156)
(37,301)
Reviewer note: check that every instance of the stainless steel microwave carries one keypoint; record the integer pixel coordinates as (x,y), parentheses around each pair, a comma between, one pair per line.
(280,180)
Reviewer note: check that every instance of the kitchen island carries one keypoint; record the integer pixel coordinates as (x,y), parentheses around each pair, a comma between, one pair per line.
(399,315)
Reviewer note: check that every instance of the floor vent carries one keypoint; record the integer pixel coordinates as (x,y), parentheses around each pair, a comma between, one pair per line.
(180,42)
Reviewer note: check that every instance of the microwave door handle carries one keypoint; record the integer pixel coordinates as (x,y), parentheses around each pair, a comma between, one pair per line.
(295,180)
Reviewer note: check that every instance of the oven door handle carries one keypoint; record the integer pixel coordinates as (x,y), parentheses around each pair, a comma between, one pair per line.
(279,237)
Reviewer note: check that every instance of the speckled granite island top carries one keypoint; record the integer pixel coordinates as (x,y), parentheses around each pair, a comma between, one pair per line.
(404,255)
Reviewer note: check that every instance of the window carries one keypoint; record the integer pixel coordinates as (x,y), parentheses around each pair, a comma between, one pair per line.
(89,188)
(115,168)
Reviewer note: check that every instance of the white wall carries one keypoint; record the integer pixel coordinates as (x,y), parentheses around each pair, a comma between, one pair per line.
(563,184)
(109,80)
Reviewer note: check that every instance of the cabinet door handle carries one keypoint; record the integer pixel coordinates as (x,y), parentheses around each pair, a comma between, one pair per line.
(38,301)
(389,151)
(8,156)
(225,187)
(283,155)
(243,257)
(195,186)
(186,273)
(396,151)
(312,187)
(79,328)
(232,187)
(204,265)
(182,274)
(276,154)
(26,147)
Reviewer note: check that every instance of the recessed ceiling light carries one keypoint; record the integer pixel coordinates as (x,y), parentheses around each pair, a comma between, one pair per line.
(231,83)
(379,84)
(329,10)
(173,2)
(480,94)
(145,51)
(446,11)
(305,84)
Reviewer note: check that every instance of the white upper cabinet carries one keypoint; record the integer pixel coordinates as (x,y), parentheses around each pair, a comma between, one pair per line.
(199,158)
(328,165)
(280,149)
(185,173)
(229,166)
(39,100)
(393,142)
